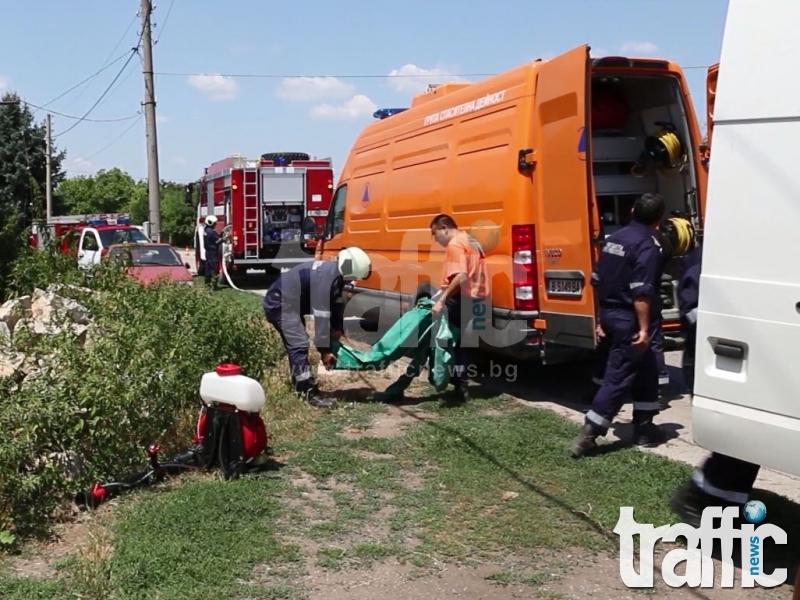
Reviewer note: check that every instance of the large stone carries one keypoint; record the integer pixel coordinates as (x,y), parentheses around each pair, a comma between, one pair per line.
(48,306)
(11,365)
(13,310)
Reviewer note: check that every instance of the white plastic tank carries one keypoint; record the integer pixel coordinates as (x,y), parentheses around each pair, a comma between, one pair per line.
(227,385)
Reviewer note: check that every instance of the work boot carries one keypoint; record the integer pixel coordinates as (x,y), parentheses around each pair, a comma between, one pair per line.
(310,393)
(460,391)
(585,442)
(648,434)
(690,501)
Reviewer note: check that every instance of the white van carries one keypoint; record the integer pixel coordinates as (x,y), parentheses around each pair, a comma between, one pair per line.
(747,382)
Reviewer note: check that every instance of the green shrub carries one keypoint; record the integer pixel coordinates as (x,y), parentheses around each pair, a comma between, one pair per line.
(134,382)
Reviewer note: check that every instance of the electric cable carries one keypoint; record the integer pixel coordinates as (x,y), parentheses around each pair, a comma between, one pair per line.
(133,52)
(128,118)
(112,142)
(166,19)
(339,76)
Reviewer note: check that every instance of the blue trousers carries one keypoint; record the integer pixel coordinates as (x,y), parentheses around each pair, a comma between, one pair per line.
(626,371)
(656,343)
(291,327)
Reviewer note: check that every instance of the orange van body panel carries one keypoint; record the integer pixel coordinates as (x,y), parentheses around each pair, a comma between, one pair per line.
(457,150)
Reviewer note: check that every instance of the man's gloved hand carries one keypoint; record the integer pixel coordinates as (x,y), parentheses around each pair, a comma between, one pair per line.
(328,359)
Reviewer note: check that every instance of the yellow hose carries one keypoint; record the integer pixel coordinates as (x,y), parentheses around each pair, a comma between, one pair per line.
(684,234)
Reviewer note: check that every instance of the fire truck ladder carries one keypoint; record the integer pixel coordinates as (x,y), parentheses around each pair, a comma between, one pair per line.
(252,214)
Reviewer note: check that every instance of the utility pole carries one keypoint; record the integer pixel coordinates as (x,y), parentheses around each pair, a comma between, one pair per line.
(49,173)
(153,178)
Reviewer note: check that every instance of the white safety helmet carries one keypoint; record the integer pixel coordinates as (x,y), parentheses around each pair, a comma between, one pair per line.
(354,263)
(211,220)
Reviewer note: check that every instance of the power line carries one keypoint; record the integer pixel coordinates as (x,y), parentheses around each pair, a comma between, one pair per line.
(85,119)
(132,53)
(77,85)
(161,28)
(348,76)
(112,142)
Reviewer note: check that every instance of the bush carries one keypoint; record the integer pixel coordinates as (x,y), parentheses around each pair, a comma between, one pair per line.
(134,382)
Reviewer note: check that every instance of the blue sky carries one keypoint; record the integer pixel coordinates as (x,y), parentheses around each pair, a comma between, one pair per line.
(207,110)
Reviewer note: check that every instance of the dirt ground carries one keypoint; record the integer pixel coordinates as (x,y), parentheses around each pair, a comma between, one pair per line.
(577,575)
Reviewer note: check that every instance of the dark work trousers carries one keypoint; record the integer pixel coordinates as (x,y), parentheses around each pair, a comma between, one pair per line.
(626,371)
(726,478)
(687,362)
(211,266)
(656,343)
(291,326)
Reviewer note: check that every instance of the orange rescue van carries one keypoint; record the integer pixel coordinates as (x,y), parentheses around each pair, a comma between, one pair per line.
(518,160)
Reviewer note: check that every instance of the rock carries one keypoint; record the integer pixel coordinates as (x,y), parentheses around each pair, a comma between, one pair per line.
(48,306)
(11,365)
(5,333)
(13,310)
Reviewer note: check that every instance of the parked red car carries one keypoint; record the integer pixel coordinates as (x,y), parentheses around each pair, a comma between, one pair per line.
(149,262)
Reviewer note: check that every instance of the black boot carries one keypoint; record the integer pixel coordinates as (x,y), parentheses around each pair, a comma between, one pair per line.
(310,393)
(461,395)
(690,501)
(585,442)
(648,434)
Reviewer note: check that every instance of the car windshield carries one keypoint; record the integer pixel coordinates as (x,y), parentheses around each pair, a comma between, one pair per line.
(123,235)
(147,255)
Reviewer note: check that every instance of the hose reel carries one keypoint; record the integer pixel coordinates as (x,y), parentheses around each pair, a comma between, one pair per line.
(663,149)
(679,235)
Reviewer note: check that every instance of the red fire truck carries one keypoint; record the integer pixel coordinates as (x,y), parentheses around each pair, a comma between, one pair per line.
(89,236)
(271,207)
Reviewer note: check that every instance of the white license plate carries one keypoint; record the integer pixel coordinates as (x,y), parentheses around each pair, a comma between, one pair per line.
(318,213)
(564,287)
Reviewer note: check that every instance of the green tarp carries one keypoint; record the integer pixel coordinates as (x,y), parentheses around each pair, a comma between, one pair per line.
(410,337)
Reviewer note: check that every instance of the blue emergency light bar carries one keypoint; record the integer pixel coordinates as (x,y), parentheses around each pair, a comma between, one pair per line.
(383,113)
(96,222)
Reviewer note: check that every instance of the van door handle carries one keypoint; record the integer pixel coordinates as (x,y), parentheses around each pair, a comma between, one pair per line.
(729,350)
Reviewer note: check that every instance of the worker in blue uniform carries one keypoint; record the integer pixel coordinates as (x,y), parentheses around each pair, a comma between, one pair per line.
(626,280)
(656,334)
(211,243)
(722,480)
(313,287)
(688,298)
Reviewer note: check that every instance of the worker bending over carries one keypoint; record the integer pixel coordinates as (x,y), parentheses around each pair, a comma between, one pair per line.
(316,288)
(626,279)
(464,282)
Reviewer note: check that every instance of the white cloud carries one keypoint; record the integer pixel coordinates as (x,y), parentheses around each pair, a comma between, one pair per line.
(216,87)
(599,51)
(358,107)
(638,48)
(180,160)
(3,84)
(413,79)
(162,119)
(306,89)
(80,163)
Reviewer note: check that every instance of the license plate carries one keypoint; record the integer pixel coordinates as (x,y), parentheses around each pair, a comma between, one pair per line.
(564,287)
(318,213)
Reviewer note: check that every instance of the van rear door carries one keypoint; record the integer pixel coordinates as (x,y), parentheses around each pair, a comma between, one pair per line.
(567,219)
(748,338)
(711,94)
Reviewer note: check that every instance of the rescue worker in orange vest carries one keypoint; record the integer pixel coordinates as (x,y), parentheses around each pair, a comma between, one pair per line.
(464,282)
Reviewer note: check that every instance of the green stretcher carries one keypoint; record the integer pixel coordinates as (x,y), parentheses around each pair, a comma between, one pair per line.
(410,337)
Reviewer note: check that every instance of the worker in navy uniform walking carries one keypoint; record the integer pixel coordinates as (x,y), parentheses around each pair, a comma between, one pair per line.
(211,243)
(316,288)
(656,335)
(722,480)
(626,279)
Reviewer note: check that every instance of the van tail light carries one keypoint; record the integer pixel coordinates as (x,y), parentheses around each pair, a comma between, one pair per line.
(523,249)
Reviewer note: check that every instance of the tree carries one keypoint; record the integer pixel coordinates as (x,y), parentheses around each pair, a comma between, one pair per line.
(107,191)
(23,164)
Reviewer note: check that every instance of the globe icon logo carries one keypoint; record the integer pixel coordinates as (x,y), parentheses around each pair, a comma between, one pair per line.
(755,511)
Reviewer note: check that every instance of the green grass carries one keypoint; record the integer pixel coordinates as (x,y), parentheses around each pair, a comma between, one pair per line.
(443,486)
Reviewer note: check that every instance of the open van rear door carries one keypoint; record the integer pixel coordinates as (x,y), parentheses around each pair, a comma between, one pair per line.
(567,215)
(711,95)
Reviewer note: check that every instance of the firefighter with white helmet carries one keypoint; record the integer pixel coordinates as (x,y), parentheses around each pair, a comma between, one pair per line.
(211,243)
(313,287)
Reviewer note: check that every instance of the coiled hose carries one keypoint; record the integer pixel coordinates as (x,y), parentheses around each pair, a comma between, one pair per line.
(681,235)
(664,148)
(226,253)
